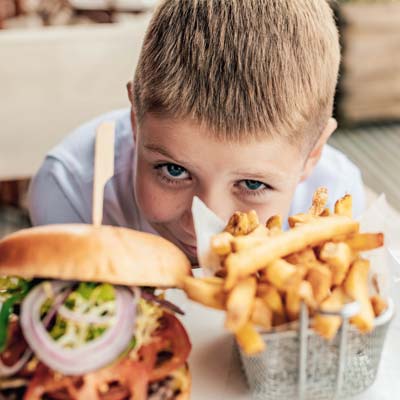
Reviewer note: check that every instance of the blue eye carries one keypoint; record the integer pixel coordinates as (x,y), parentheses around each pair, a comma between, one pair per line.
(253,185)
(174,171)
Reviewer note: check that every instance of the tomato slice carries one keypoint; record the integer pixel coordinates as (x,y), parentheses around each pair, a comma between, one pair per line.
(171,337)
(129,376)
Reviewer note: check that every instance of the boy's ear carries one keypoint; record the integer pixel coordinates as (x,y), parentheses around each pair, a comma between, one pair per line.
(316,151)
(129,88)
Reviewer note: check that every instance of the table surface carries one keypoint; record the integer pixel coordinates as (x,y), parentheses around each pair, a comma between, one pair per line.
(216,369)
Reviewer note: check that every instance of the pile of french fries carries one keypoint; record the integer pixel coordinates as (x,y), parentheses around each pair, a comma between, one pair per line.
(267,273)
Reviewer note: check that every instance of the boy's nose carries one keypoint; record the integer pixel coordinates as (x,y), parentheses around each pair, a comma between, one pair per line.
(187,222)
(218,203)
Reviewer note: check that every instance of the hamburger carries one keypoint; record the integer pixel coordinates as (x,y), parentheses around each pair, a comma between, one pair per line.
(81,318)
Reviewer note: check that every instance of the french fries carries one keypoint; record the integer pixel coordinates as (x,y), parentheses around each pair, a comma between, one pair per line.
(278,273)
(261,314)
(267,273)
(210,294)
(319,201)
(305,257)
(344,206)
(320,278)
(239,304)
(221,244)
(249,261)
(379,305)
(365,241)
(249,339)
(356,286)
(274,302)
(242,223)
(327,326)
(339,257)
(294,298)
(274,223)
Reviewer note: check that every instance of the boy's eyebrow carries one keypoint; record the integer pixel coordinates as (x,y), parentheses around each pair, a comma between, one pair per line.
(156,148)
(270,174)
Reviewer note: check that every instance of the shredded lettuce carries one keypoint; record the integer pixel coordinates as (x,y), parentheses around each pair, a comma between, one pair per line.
(88,298)
(147,321)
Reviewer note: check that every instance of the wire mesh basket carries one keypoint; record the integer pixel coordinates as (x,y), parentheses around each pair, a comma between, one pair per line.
(299,364)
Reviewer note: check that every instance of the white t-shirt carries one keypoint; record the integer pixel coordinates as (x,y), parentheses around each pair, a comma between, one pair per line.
(61,191)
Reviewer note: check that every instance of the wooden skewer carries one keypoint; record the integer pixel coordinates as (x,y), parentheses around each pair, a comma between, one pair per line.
(103,167)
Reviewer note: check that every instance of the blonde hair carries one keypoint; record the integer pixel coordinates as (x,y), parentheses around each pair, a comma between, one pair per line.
(245,68)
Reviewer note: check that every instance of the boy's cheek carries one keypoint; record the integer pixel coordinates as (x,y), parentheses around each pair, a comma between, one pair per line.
(158,205)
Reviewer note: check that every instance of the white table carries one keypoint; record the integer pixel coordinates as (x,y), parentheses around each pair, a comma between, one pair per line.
(216,371)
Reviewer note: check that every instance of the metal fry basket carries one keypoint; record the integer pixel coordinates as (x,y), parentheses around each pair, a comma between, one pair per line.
(299,364)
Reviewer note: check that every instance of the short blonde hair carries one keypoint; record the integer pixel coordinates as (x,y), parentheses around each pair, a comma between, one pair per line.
(245,68)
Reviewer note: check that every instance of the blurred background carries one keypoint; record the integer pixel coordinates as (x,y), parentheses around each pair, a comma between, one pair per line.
(63,62)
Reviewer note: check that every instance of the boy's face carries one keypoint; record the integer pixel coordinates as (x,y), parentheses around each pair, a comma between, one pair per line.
(176,160)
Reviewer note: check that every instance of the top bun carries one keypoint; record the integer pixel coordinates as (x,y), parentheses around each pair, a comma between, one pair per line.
(116,255)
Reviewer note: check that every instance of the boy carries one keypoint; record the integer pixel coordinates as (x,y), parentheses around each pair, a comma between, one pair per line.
(231,101)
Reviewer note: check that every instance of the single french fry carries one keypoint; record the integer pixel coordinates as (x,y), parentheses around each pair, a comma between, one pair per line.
(379,305)
(238,224)
(328,325)
(356,286)
(261,314)
(279,272)
(242,223)
(253,220)
(274,222)
(213,280)
(295,296)
(254,238)
(365,241)
(273,300)
(210,294)
(339,256)
(326,213)
(260,231)
(344,206)
(299,219)
(239,304)
(320,278)
(249,339)
(247,262)
(305,257)
(296,278)
(221,243)
(306,294)
(319,201)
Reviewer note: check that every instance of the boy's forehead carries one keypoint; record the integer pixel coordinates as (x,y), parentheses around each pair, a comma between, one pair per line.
(187,142)
(185,129)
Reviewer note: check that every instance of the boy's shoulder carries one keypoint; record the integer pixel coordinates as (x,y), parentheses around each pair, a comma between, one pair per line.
(66,177)
(339,175)
(76,151)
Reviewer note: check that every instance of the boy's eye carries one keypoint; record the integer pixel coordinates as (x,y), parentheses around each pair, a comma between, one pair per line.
(252,185)
(174,171)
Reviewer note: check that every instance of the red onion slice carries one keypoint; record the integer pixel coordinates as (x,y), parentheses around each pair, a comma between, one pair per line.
(6,370)
(164,303)
(92,356)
